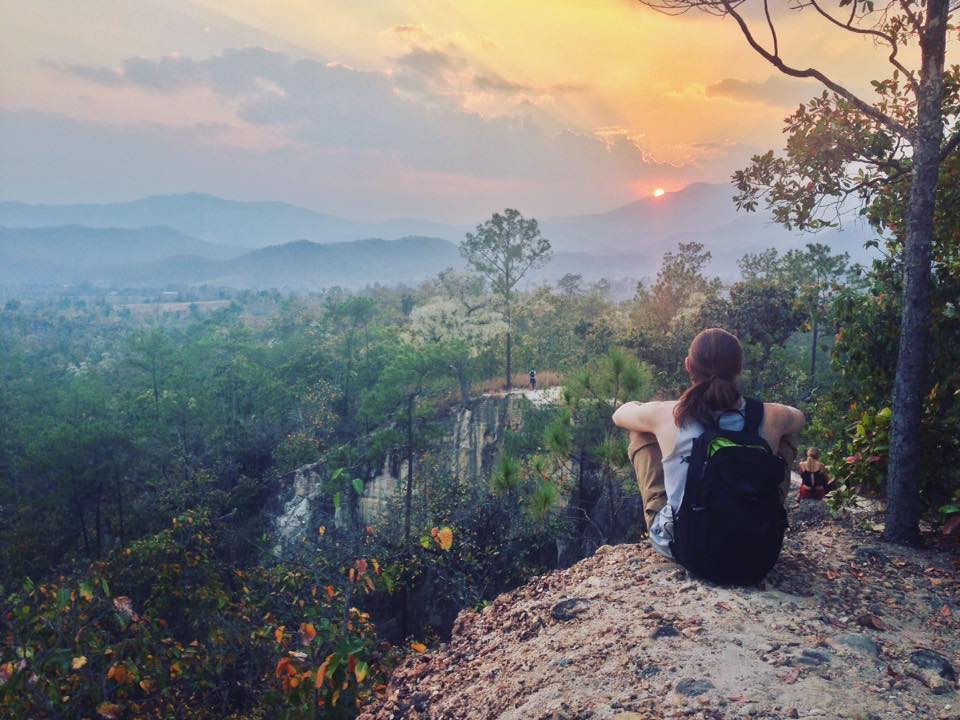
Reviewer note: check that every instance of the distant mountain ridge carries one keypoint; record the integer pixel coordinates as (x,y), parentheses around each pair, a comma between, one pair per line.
(696,207)
(195,238)
(217,220)
(306,265)
(160,257)
(701,212)
(73,253)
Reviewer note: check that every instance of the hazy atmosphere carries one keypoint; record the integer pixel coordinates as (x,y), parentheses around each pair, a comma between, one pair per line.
(438,110)
(479,360)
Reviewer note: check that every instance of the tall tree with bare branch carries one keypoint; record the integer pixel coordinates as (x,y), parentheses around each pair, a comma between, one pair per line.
(843,146)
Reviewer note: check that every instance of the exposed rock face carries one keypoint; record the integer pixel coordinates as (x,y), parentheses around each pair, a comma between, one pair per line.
(844,627)
(477,434)
(384,486)
(469,449)
(299,498)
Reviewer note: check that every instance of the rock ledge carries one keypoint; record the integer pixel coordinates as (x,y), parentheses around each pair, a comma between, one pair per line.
(844,627)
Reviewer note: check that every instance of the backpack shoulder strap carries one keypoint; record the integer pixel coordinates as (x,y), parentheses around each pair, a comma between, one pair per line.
(753,416)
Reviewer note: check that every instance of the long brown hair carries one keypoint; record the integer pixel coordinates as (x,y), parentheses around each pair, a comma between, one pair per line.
(715,359)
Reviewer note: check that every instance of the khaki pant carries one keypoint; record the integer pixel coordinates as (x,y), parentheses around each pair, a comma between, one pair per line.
(647,462)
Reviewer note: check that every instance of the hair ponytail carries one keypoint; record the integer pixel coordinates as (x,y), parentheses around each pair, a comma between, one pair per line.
(715,360)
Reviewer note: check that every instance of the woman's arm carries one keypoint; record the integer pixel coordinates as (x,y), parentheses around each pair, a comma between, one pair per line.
(637,416)
(787,421)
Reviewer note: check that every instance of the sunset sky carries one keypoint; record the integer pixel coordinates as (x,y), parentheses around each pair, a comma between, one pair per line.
(444,109)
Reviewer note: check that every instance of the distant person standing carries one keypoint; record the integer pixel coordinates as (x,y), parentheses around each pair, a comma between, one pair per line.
(533,379)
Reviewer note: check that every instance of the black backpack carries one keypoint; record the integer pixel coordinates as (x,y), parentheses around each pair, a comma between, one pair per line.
(730,525)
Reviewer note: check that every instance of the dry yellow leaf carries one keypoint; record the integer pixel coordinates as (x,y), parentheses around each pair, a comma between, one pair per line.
(322,671)
(445,538)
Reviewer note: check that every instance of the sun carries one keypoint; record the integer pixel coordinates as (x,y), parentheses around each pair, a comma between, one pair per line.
(658,192)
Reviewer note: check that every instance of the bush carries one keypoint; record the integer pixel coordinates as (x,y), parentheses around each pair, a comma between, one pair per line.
(167,628)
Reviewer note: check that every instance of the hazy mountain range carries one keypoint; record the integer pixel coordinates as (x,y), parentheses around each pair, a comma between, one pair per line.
(201,239)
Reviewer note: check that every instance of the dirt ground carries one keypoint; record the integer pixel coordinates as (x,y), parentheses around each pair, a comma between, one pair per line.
(845,626)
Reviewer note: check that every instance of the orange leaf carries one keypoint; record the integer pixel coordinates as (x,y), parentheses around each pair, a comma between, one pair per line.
(362,566)
(330,592)
(322,530)
(118,673)
(284,667)
(147,685)
(945,611)
(278,634)
(307,633)
(445,538)
(418,647)
(109,711)
(322,671)
(81,660)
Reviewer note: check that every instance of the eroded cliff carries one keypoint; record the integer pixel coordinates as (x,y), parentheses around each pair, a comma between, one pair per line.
(467,448)
(844,627)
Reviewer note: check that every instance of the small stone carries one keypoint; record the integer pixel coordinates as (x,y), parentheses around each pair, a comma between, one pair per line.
(648,672)
(935,662)
(793,713)
(859,642)
(664,630)
(812,657)
(692,687)
(568,609)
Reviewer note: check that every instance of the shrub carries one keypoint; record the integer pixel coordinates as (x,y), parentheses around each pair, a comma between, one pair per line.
(168,628)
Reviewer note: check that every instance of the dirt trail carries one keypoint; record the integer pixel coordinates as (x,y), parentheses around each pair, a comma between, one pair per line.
(844,627)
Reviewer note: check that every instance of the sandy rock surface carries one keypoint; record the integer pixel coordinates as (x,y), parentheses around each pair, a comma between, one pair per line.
(844,627)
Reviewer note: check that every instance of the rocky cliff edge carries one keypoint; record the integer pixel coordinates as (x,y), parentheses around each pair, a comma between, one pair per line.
(845,626)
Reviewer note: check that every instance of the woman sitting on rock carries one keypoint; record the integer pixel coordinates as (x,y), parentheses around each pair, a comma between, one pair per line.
(663,434)
(814,481)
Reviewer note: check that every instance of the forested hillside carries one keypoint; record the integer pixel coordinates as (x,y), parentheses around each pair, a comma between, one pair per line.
(146,456)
